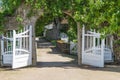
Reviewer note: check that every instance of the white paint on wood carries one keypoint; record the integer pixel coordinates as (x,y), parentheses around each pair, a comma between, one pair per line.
(95,52)
(18,44)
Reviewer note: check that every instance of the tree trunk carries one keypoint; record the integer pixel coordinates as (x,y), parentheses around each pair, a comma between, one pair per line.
(79,34)
(58,28)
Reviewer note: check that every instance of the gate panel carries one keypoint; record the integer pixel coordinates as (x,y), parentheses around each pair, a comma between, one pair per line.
(96,51)
(22,49)
(92,49)
(16,47)
(7,48)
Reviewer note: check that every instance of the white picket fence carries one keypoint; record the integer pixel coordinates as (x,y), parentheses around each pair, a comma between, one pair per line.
(16,47)
(95,50)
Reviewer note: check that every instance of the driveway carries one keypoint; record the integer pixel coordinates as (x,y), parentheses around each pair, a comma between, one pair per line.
(54,65)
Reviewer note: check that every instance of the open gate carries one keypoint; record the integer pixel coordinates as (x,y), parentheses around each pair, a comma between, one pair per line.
(96,51)
(16,48)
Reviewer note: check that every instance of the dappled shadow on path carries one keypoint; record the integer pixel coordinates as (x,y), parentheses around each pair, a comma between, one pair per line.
(110,68)
(72,63)
(69,65)
(56,64)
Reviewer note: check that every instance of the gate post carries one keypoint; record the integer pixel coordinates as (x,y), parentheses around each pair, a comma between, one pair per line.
(102,52)
(14,47)
(34,56)
(30,43)
(83,42)
(79,34)
(2,50)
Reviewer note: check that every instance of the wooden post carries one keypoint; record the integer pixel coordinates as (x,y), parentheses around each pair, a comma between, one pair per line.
(34,58)
(83,42)
(7,43)
(30,44)
(79,34)
(94,41)
(14,47)
(111,43)
(20,41)
(102,52)
(87,42)
(11,41)
(2,51)
(24,44)
(98,42)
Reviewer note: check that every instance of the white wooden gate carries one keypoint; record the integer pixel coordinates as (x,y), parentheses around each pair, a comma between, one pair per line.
(16,47)
(96,51)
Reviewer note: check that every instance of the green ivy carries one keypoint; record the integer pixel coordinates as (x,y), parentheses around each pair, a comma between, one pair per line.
(101,14)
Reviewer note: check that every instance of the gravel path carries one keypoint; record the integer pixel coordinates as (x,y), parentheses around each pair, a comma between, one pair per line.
(53,65)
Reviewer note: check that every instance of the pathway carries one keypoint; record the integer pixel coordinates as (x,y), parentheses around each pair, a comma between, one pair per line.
(53,65)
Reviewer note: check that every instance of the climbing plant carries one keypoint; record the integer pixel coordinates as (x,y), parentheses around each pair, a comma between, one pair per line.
(101,14)
(72,32)
(10,6)
(41,22)
(7,9)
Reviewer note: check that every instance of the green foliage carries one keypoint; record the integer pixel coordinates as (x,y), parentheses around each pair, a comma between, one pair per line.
(64,28)
(54,42)
(9,6)
(1,29)
(41,22)
(104,15)
(30,13)
(1,23)
(72,32)
(19,18)
(101,14)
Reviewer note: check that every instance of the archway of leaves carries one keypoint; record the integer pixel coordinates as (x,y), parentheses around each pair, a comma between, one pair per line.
(101,14)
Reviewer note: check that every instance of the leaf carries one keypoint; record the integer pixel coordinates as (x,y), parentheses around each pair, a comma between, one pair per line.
(19,18)
(78,1)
